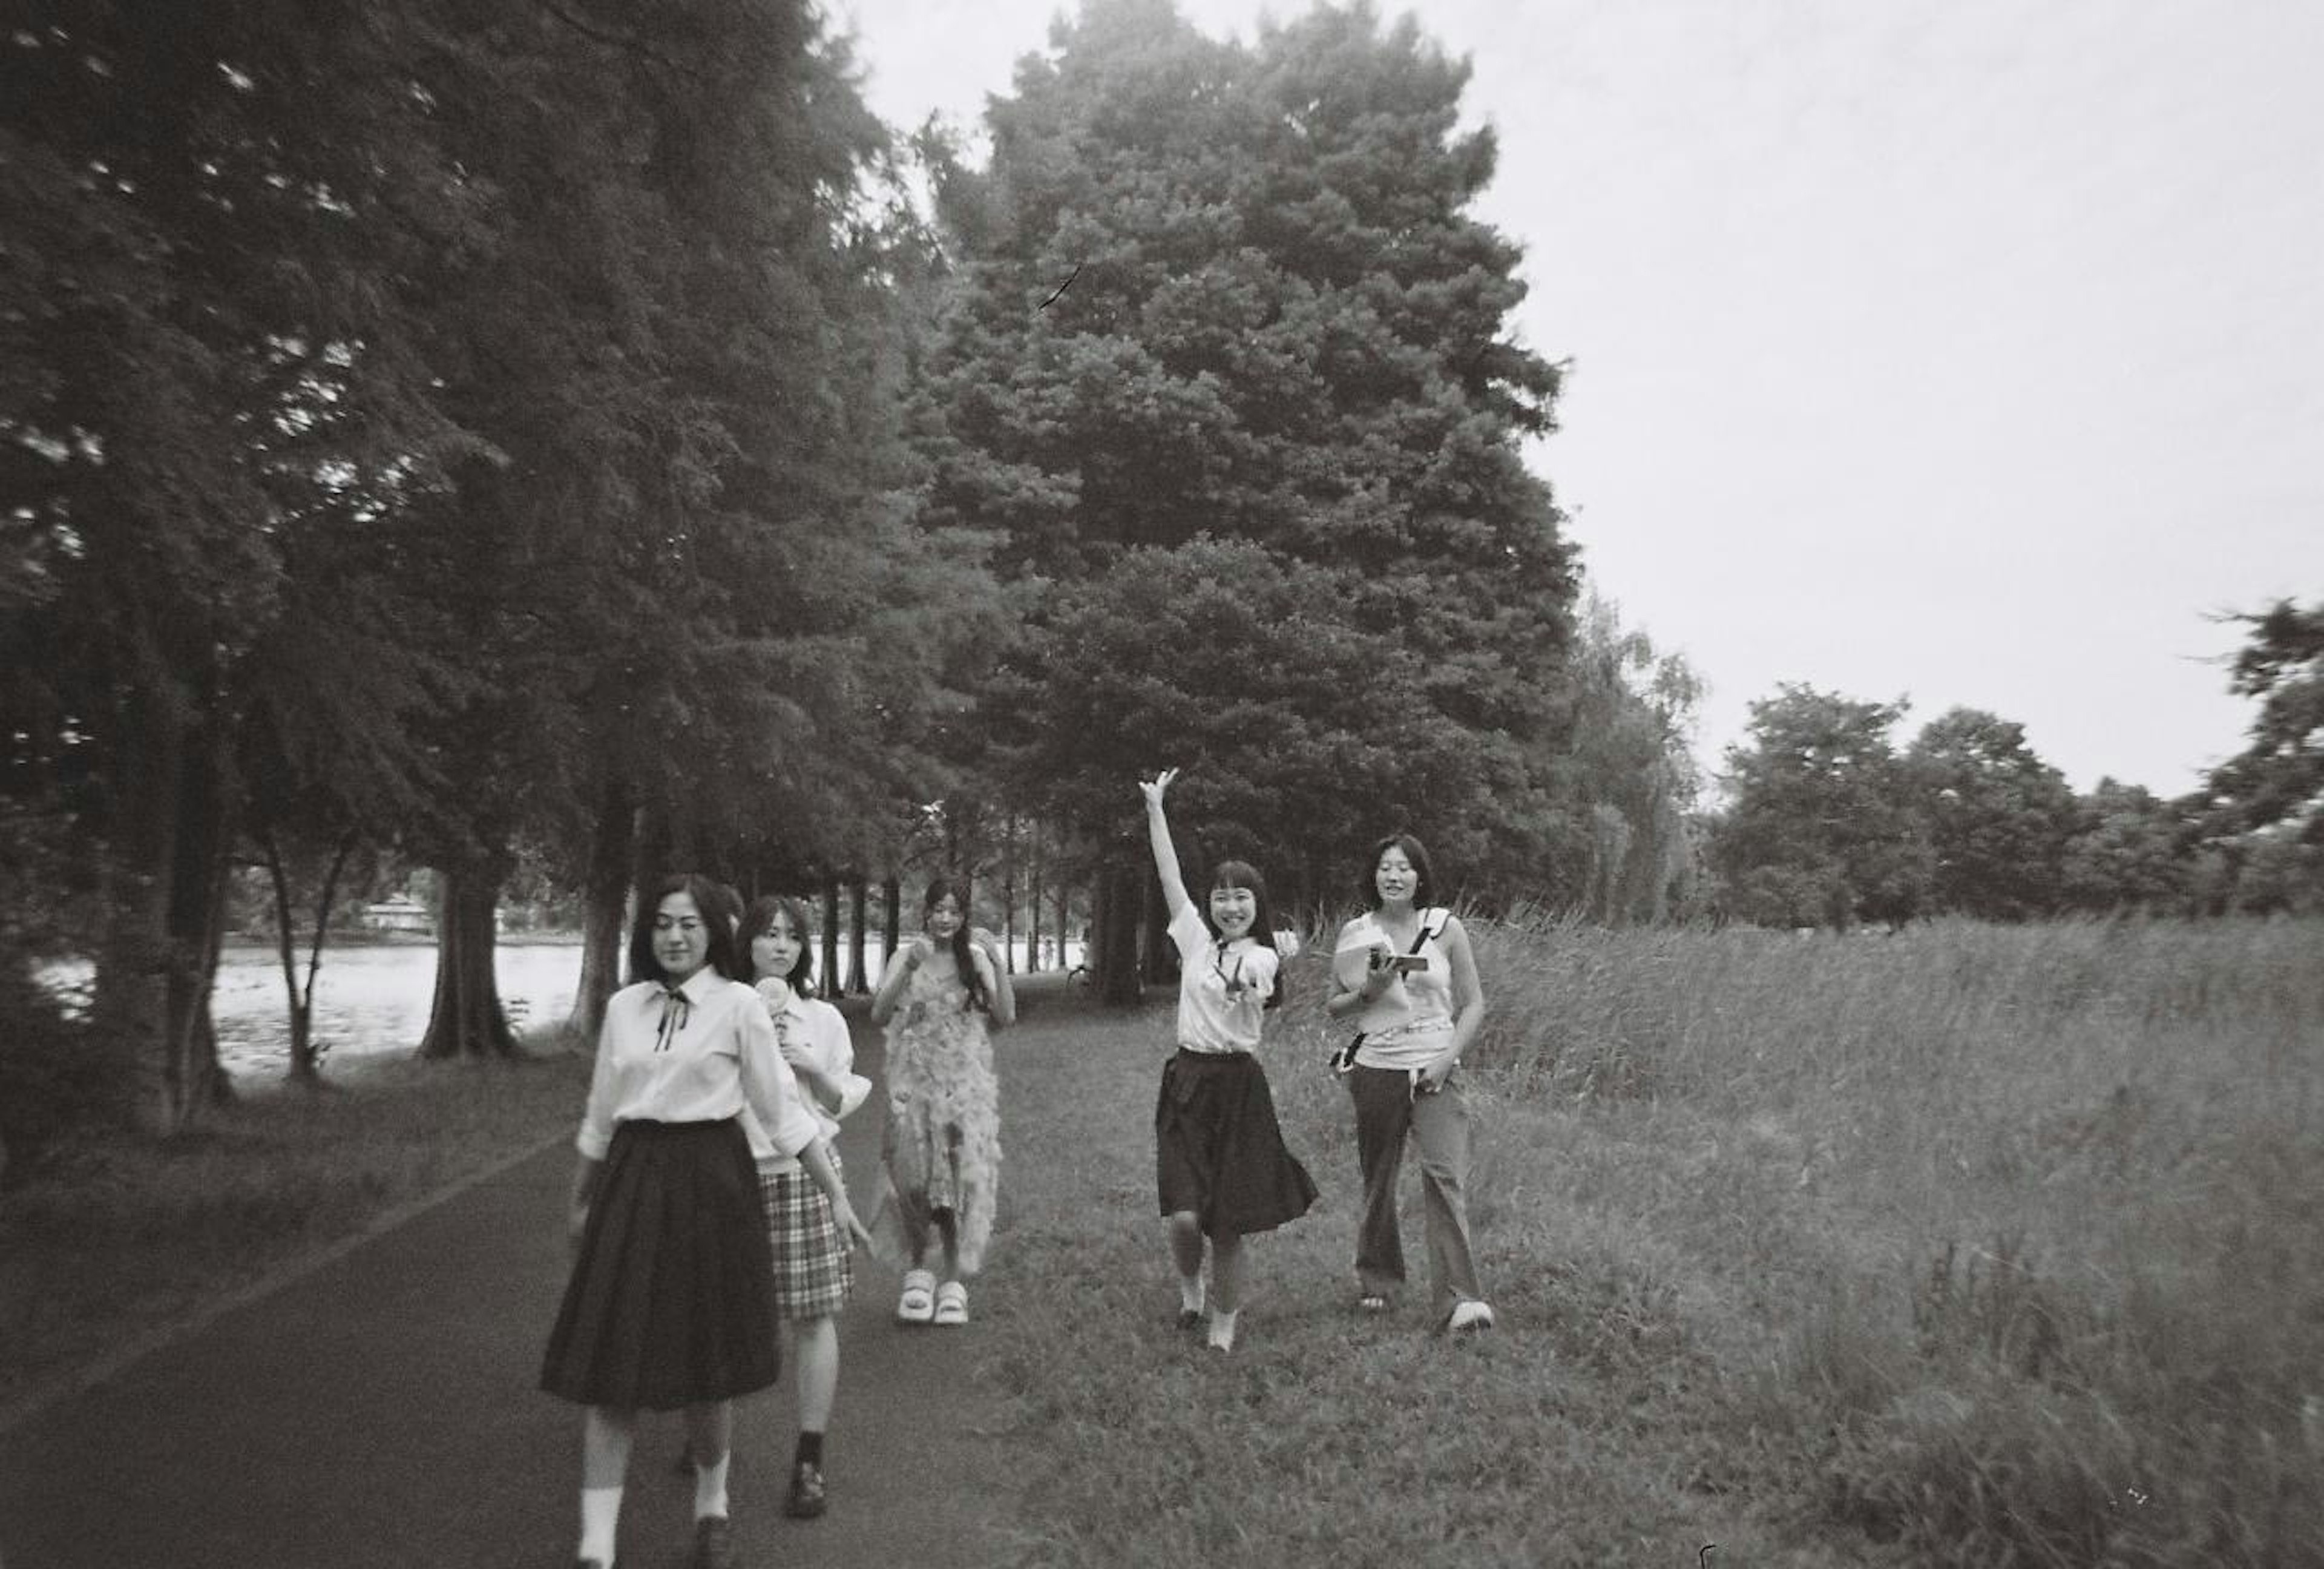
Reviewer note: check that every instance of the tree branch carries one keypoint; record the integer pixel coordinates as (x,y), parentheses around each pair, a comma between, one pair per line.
(611,40)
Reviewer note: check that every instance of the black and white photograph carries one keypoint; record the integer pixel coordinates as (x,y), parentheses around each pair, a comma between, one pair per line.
(1162,784)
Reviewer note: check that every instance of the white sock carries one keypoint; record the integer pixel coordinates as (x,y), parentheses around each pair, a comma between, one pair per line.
(1223,1328)
(1190,1292)
(710,1487)
(601,1513)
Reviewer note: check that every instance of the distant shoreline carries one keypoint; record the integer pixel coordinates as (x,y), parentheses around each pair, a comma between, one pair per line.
(372,939)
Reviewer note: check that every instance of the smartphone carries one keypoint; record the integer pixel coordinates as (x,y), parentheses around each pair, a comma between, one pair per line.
(1406,963)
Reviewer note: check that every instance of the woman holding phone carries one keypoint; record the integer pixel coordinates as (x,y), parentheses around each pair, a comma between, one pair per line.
(1405,977)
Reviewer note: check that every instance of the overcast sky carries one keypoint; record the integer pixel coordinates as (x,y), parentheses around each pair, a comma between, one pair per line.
(1968,351)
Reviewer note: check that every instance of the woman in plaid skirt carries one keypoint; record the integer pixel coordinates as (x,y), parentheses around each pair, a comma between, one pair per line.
(810,1244)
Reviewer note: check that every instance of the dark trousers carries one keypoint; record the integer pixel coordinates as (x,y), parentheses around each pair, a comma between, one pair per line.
(1386,1112)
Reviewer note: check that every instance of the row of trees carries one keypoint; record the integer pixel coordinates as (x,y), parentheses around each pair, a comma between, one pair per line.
(485,433)
(1828,823)
(538,438)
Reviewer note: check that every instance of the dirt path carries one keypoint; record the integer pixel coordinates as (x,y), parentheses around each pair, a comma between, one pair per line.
(380,1410)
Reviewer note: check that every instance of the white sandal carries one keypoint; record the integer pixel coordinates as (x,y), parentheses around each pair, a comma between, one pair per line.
(952,1303)
(918,1304)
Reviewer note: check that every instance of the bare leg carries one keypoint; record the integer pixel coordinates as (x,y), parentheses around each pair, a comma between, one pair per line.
(1186,1244)
(948,1229)
(709,1431)
(1227,1256)
(816,1345)
(605,1434)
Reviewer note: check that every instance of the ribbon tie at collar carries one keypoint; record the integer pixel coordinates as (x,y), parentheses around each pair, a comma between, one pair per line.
(676,1008)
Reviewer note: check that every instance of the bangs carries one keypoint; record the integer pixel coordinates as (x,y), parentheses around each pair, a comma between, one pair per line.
(1240,874)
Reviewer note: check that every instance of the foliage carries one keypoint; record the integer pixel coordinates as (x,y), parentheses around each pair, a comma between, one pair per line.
(1228,292)
(1626,762)
(2125,852)
(1820,831)
(1997,817)
(2279,779)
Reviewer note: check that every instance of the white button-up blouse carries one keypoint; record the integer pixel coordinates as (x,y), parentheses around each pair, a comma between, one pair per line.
(703,1060)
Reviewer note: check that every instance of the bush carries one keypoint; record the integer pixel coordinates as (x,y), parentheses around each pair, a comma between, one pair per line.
(52,1082)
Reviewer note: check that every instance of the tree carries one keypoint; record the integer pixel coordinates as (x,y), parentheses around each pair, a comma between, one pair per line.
(1213,295)
(1627,763)
(2278,777)
(1998,817)
(1820,831)
(2125,852)
(195,272)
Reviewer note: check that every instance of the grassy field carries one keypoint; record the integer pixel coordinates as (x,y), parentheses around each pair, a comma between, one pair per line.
(114,1240)
(1968,1246)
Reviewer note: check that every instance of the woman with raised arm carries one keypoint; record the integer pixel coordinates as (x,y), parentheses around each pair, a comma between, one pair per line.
(1221,1169)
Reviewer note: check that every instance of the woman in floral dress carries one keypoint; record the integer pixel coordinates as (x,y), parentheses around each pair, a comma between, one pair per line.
(942,1145)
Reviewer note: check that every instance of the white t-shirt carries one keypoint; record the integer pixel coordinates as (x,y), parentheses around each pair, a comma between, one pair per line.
(716,1056)
(1214,1015)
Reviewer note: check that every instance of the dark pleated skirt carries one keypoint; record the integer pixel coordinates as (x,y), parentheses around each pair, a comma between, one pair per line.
(1218,1150)
(671,1300)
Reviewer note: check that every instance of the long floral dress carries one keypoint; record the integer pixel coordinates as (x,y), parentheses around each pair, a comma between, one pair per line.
(942,1145)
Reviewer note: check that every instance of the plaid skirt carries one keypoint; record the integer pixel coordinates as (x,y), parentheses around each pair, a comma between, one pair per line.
(813,1270)
(671,1301)
(1218,1150)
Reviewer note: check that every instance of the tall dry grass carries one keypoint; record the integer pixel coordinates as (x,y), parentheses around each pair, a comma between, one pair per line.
(2015,1234)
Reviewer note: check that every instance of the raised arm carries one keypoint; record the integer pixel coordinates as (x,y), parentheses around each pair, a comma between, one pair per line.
(901,966)
(1157,831)
(984,952)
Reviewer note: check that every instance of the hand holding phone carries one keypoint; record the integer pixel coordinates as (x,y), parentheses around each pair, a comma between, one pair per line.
(1408,964)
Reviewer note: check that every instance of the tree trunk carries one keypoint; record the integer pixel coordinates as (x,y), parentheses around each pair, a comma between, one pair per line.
(829,967)
(165,883)
(856,982)
(1160,956)
(197,921)
(891,895)
(130,1004)
(605,891)
(1033,912)
(1008,893)
(1120,911)
(466,1019)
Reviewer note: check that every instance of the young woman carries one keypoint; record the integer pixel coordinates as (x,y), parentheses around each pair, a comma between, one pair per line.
(1222,1171)
(671,1302)
(809,1237)
(942,1146)
(1408,981)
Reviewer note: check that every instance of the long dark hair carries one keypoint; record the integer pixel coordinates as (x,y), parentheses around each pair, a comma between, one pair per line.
(760,921)
(940,889)
(1424,874)
(709,900)
(1243,875)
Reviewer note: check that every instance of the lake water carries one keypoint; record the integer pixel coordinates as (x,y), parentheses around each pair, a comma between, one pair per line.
(374,999)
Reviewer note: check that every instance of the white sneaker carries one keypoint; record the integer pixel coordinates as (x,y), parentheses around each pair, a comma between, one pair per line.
(1470,1314)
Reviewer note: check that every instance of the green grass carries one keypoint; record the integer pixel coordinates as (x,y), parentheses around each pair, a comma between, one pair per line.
(114,1237)
(1970,1246)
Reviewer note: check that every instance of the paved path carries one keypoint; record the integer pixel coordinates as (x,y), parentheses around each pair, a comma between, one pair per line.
(380,1410)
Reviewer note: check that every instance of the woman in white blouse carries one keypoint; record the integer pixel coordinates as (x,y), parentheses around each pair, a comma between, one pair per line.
(1407,978)
(671,1302)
